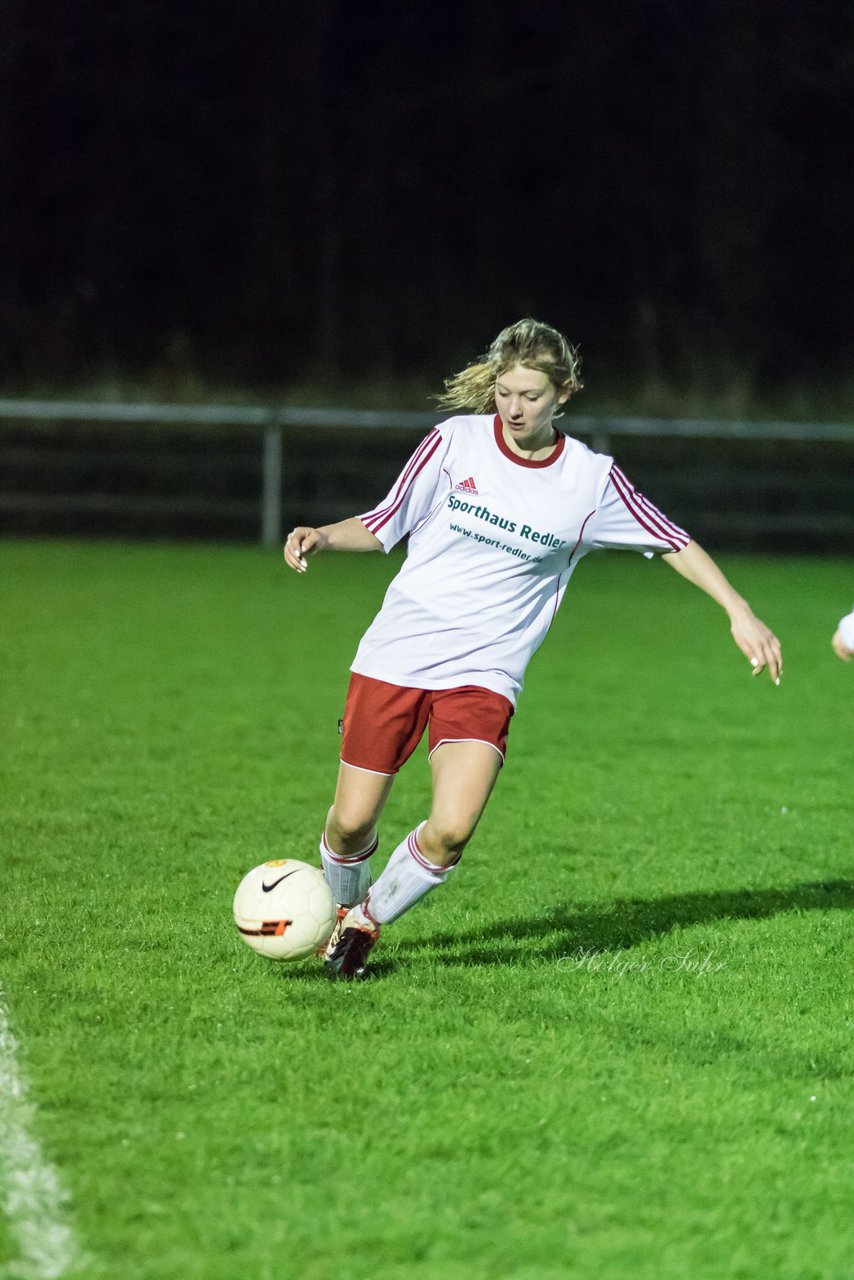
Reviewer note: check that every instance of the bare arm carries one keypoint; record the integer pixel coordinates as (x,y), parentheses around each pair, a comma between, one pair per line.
(346,535)
(753,638)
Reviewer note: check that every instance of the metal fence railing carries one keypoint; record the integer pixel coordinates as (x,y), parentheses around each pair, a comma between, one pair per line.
(35,431)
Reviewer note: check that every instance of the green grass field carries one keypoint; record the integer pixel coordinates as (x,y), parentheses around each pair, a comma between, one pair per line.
(617,1046)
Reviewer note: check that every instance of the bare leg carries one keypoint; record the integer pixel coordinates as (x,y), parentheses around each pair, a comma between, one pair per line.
(349,839)
(359,800)
(464,774)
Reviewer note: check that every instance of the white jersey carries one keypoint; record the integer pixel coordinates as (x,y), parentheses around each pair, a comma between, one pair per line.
(493,541)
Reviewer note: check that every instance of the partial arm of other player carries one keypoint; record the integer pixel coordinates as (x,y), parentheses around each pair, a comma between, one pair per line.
(346,535)
(843,638)
(753,638)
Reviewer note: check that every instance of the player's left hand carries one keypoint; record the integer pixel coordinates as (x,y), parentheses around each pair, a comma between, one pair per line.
(758,643)
(840,648)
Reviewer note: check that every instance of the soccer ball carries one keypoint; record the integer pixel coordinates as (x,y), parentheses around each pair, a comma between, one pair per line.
(284,909)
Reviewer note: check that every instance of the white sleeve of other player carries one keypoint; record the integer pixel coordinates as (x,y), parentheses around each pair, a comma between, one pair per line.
(846,630)
(626,520)
(413,495)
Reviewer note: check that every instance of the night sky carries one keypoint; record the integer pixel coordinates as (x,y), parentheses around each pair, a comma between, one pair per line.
(265,193)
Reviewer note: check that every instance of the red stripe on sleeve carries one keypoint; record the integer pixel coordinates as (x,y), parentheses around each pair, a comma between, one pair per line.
(654,513)
(375,520)
(378,511)
(648,516)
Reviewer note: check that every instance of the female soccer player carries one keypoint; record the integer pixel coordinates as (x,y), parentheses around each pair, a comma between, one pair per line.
(499,509)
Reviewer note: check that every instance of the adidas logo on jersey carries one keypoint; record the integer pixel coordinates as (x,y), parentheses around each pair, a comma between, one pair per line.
(466,486)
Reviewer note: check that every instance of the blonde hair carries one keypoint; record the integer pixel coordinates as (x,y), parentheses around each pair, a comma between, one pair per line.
(527,342)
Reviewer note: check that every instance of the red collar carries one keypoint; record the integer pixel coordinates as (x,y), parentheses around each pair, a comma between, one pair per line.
(527,462)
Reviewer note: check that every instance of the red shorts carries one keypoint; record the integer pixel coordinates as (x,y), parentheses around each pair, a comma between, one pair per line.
(383,723)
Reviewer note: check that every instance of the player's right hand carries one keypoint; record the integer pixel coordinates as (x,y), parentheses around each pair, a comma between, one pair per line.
(301,543)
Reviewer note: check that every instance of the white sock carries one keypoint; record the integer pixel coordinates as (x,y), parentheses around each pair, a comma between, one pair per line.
(349,878)
(407,877)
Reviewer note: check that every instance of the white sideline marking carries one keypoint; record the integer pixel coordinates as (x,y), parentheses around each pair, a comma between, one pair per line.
(32,1197)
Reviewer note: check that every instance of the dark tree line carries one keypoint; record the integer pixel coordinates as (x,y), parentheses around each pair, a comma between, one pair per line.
(272,191)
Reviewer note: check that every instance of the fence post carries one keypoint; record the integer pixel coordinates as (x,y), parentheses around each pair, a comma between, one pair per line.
(271,488)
